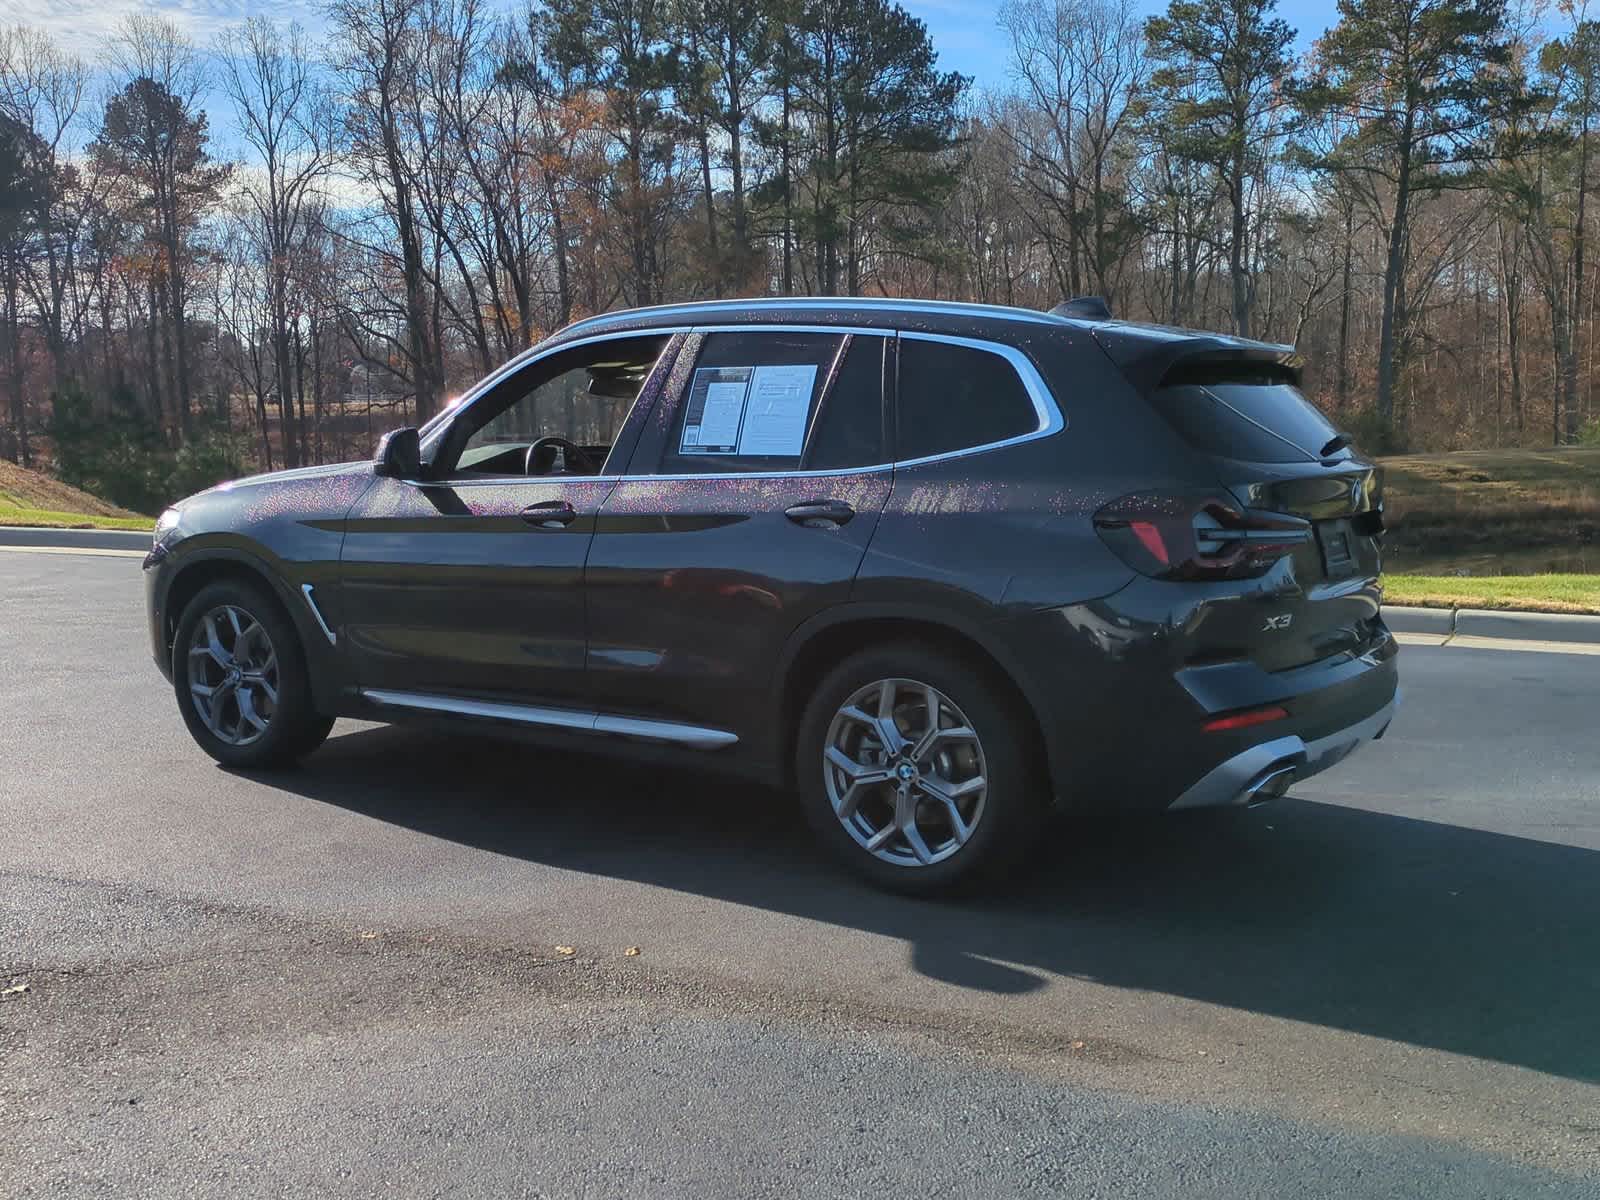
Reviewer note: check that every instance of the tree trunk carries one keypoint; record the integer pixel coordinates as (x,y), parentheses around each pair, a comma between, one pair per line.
(1394,284)
(178,302)
(1569,352)
(1514,343)
(711,207)
(20,450)
(1343,392)
(1236,250)
(788,191)
(741,225)
(280,366)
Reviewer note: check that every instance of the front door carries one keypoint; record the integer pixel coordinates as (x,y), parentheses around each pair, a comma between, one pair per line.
(747,509)
(469,584)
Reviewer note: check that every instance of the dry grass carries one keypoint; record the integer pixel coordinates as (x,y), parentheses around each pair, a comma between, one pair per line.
(34,498)
(1494,512)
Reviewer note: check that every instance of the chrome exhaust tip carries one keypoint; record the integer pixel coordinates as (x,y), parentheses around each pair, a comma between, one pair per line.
(1269,785)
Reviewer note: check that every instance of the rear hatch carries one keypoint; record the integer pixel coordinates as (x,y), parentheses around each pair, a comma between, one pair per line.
(1239,406)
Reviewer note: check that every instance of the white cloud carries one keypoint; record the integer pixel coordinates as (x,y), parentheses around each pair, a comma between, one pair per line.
(86,27)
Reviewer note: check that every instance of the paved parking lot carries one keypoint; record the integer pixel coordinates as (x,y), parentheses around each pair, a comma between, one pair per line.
(344,980)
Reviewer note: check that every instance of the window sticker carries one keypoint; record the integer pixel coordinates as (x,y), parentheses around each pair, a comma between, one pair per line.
(715,412)
(780,401)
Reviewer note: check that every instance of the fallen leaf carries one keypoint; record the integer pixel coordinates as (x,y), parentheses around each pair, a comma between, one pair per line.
(632,952)
(565,950)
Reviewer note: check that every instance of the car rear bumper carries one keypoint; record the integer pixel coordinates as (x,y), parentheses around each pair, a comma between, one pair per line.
(1123,709)
(1266,771)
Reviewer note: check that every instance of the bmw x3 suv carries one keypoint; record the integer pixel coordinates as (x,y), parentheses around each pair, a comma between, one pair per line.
(939,569)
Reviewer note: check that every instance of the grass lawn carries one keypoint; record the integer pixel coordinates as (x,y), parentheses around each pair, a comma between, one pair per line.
(11,514)
(1535,593)
(34,498)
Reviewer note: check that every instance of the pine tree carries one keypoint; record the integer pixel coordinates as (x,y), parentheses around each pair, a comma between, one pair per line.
(151,141)
(880,121)
(1219,95)
(1421,81)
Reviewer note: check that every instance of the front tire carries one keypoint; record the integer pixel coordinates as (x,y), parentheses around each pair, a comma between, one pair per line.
(917,770)
(240,677)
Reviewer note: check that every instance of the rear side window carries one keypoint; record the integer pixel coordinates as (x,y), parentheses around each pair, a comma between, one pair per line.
(1267,422)
(772,400)
(955,397)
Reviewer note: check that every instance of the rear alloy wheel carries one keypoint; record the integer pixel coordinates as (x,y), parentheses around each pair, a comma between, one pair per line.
(905,772)
(241,681)
(916,769)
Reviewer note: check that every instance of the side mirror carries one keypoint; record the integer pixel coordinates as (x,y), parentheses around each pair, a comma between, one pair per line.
(399,455)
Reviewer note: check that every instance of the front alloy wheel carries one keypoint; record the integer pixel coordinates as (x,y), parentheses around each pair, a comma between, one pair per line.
(905,772)
(233,675)
(239,673)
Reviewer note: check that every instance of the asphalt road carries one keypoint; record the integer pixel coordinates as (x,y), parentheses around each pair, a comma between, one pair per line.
(344,980)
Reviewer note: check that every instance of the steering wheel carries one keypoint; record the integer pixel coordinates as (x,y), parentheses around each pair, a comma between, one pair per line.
(575,459)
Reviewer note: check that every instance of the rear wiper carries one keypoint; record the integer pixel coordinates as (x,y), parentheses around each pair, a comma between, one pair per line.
(1335,444)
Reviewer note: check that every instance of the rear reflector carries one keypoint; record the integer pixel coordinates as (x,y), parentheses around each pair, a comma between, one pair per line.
(1243,720)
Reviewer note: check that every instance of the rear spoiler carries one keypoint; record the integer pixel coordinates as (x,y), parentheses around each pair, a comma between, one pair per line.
(1149,355)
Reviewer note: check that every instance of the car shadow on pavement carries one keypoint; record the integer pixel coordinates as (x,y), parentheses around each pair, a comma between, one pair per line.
(1435,935)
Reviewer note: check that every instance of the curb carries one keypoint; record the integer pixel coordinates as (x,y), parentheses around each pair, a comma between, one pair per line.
(82,539)
(1441,621)
(1487,623)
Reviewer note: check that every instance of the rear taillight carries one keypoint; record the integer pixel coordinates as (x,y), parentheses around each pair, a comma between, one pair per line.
(1244,720)
(1170,536)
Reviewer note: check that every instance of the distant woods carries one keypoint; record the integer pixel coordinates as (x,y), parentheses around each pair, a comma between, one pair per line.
(264,251)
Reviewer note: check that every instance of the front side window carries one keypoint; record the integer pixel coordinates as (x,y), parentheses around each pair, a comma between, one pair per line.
(768,400)
(558,416)
(957,397)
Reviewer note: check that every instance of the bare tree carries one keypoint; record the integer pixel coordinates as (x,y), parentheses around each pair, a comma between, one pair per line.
(1080,65)
(286,117)
(378,57)
(153,136)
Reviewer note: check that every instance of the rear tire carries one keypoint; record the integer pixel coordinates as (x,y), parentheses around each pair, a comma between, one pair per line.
(239,673)
(908,809)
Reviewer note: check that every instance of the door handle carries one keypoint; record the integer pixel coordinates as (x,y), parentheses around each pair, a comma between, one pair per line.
(550,514)
(820,514)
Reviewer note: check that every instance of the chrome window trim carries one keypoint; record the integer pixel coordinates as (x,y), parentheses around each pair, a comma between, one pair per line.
(1051,418)
(696,737)
(882,331)
(432,431)
(507,480)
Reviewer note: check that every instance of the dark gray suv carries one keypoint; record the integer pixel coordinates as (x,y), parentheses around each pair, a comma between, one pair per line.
(937,568)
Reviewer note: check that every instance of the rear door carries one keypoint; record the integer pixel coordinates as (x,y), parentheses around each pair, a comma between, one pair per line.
(1274,451)
(747,509)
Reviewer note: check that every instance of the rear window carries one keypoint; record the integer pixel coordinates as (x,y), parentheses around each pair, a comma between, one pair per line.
(956,397)
(1269,422)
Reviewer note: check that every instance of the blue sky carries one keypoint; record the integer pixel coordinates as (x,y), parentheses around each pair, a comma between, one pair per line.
(968,41)
(964,31)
